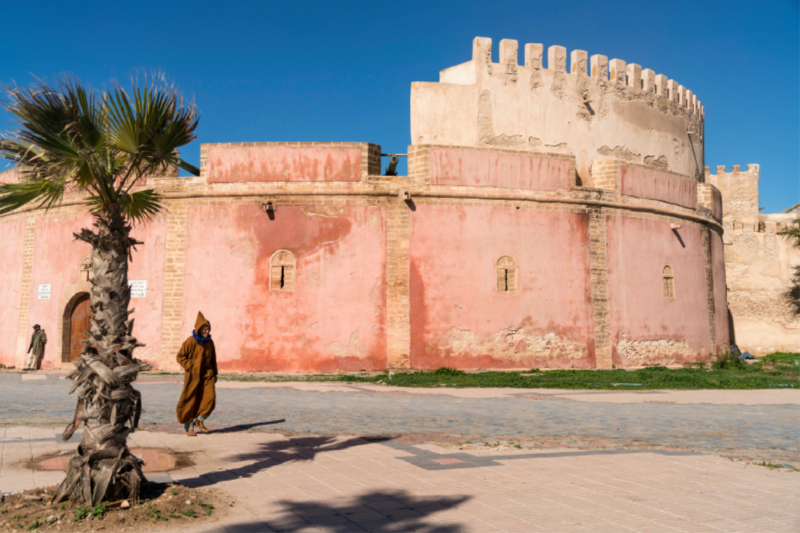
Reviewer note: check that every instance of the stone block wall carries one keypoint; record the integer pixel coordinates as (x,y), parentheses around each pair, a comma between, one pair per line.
(759,265)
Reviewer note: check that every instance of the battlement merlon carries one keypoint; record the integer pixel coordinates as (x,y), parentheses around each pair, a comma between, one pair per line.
(585,105)
(637,79)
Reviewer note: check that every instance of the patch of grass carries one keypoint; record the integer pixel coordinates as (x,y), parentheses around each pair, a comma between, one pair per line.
(782,358)
(190,513)
(728,361)
(19,516)
(207,506)
(446,371)
(174,492)
(62,506)
(154,514)
(173,515)
(775,370)
(770,465)
(33,525)
(81,513)
(99,510)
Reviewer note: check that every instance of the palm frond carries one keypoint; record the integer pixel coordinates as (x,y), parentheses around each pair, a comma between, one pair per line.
(152,123)
(793,232)
(15,195)
(97,142)
(141,206)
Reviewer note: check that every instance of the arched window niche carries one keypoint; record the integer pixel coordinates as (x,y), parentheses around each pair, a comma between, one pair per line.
(507,277)
(669,283)
(282,271)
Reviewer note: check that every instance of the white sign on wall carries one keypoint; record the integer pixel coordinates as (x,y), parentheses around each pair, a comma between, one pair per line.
(44,291)
(138,288)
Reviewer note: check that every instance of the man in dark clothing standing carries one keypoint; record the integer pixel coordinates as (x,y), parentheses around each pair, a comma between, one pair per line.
(36,349)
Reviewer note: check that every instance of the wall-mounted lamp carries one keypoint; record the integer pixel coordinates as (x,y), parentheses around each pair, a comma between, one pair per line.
(675,226)
(269,209)
(404,195)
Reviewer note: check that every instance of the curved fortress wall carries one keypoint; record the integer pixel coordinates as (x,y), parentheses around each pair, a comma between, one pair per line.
(510,268)
(304,258)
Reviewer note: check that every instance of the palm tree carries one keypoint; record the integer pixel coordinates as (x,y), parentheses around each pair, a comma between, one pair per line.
(793,232)
(75,139)
(793,292)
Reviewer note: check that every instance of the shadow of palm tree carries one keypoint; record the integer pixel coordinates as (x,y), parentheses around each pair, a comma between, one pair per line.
(382,511)
(274,453)
(245,427)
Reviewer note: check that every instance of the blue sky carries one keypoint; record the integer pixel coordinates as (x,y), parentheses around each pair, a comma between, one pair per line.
(341,71)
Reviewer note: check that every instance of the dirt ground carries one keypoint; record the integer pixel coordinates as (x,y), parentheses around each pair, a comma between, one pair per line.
(162,507)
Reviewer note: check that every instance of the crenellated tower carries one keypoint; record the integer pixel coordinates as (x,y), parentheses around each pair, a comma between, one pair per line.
(591,107)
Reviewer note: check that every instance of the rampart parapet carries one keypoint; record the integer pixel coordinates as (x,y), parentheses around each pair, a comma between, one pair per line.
(595,108)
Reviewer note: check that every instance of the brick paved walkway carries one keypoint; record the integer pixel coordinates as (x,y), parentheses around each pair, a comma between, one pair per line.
(689,425)
(330,479)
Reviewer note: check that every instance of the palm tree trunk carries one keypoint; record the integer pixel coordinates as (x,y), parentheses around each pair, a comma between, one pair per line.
(108,407)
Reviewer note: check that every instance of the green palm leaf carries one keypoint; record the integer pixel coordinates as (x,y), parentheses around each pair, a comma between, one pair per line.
(99,143)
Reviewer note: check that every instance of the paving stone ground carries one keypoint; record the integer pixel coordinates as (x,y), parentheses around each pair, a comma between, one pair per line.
(510,463)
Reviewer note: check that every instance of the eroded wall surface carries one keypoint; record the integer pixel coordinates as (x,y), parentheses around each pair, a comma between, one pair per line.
(646,327)
(12,247)
(458,317)
(335,318)
(589,107)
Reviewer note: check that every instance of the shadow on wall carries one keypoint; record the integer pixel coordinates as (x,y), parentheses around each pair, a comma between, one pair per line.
(793,292)
(731,330)
(388,511)
(276,453)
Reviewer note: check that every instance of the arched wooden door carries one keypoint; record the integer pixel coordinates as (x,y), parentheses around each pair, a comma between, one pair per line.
(79,324)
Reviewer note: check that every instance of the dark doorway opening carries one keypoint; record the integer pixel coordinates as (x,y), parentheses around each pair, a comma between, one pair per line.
(79,316)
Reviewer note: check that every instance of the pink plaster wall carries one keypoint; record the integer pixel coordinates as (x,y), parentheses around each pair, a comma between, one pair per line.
(12,246)
(235,164)
(56,261)
(655,185)
(335,319)
(638,250)
(148,263)
(458,319)
(721,325)
(481,168)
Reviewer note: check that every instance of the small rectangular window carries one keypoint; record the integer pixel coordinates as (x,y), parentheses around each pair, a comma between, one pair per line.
(669,283)
(506,274)
(669,288)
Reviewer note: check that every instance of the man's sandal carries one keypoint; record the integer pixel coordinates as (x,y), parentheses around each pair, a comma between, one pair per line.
(199,424)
